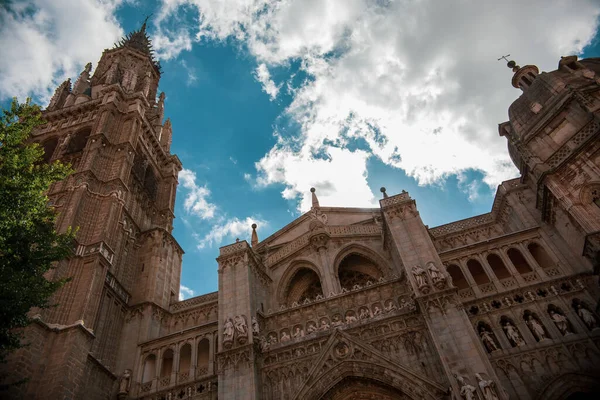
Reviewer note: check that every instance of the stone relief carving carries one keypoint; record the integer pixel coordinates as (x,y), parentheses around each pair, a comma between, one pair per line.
(228,333)
(561,322)
(535,326)
(420,279)
(241,328)
(255,327)
(487,337)
(389,306)
(488,388)
(585,314)
(467,391)
(512,333)
(125,383)
(438,279)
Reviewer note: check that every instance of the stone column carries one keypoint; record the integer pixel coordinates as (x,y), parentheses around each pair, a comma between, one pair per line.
(463,266)
(456,342)
(534,265)
(509,265)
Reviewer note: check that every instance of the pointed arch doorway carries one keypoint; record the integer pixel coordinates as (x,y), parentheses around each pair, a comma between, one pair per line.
(358,388)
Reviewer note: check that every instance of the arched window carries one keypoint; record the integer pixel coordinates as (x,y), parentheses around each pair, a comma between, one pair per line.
(185,358)
(518,261)
(458,279)
(203,357)
(540,255)
(49,146)
(498,266)
(356,269)
(78,141)
(149,368)
(167,364)
(305,284)
(477,272)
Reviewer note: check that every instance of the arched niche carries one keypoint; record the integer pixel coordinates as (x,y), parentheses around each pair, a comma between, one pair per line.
(77,141)
(150,182)
(185,358)
(203,357)
(477,272)
(458,278)
(517,259)
(540,255)
(303,283)
(49,146)
(149,369)
(167,364)
(498,266)
(357,265)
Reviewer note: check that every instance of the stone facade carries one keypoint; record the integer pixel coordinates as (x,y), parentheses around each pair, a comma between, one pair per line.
(342,303)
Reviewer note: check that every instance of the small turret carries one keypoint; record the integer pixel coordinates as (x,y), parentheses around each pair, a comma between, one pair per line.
(254,240)
(523,76)
(60,95)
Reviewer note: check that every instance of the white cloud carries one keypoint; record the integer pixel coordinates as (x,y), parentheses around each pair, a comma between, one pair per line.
(418,82)
(169,44)
(231,229)
(196,196)
(45,42)
(263,75)
(192,77)
(185,292)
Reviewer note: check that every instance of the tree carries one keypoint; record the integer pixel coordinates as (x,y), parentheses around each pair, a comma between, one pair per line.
(30,246)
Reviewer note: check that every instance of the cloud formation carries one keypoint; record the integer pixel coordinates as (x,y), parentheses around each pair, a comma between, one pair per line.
(263,75)
(231,229)
(196,196)
(185,292)
(417,83)
(45,42)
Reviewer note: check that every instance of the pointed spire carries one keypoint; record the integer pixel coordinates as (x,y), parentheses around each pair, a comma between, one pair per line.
(315,201)
(254,240)
(382,190)
(83,82)
(139,40)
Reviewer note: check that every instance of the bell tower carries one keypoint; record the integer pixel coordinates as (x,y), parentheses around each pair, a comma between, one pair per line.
(110,127)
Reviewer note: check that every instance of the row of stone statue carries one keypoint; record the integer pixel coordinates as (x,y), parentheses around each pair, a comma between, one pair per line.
(235,327)
(487,387)
(535,326)
(324,323)
(438,279)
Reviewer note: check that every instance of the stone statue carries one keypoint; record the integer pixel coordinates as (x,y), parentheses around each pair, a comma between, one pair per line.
(336,320)
(255,327)
(561,322)
(285,337)
(324,324)
(513,334)
(298,332)
(311,327)
(488,388)
(350,318)
(420,279)
(240,325)
(272,339)
(376,310)
(488,340)
(587,317)
(364,313)
(125,382)
(390,306)
(228,331)
(536,328)
(467,391)
(437,278)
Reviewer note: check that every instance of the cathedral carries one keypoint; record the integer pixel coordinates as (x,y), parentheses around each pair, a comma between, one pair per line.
(341,303)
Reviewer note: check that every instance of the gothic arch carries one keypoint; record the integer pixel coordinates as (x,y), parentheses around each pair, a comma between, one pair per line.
(380,375)
(361,261)
(570,384)
(300,277)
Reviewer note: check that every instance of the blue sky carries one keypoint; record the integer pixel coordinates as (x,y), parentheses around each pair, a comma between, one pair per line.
(268,100)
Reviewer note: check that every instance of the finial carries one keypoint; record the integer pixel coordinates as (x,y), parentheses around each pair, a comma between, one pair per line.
(237,240)
(382,190)
(254,240)
(510,64)
(315,201)
(143,28)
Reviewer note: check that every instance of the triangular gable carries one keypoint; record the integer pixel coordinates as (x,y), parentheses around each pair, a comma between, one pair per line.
(341,356)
